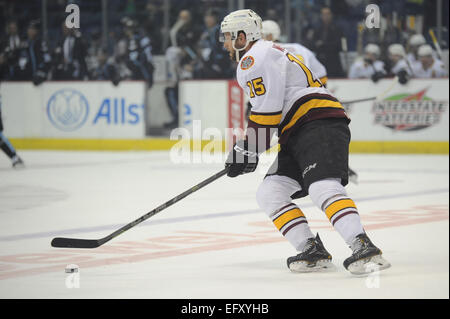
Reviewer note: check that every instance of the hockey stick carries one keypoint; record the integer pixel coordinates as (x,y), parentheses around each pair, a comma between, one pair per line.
(94,243)
(435,43)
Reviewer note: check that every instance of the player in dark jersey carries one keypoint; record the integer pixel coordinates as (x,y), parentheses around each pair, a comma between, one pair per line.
(7,147)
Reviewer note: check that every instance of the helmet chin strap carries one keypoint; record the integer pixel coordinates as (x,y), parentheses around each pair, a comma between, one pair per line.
(237,57)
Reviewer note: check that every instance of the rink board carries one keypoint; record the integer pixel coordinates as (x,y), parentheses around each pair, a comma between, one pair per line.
(73,110)
(411,118)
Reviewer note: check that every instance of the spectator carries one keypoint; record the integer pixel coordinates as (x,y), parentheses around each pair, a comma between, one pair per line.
(70,56)
(326,43)
(4,67)
(369,66)
(93,50)
(9,49)
(184,37)
(34,59)
(12,39)
(181,57)
(214,62)
(152,20)
(391,34)
(138,58)
(398,63)
(105,69)
(429,66)
(387,34)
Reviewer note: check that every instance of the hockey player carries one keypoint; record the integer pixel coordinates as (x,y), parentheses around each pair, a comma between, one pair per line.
(314,138)
(33,60)
(399,65)
(369,66)
(415,41)
(6,146)
(428,66)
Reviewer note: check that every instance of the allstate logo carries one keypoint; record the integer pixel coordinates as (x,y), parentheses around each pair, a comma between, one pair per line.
(67,109)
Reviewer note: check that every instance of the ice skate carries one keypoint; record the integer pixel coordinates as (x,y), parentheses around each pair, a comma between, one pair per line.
(366,257)
(314,257)
(17,162)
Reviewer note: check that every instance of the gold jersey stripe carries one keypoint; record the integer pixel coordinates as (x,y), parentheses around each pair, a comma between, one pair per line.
(306,107)
(324,80)
(338,205)
(266,119)
(286,217)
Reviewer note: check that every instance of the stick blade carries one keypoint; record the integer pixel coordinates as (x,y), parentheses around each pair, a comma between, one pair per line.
(60,242)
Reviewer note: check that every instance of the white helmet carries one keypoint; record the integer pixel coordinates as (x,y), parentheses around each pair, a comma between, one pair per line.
(372,48)
(245,20)
(396,49)
(271,27)
(417,39)
(425,50)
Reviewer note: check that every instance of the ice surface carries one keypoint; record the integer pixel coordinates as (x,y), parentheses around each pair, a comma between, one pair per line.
(216,243)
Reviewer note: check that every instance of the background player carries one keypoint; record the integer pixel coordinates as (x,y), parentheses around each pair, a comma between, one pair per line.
(6,146)
(314,137)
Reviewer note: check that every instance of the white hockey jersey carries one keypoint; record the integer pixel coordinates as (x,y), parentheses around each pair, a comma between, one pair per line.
(361,70)
(401,65)
(307,57)
(283,92)
(437,70)
(416,62)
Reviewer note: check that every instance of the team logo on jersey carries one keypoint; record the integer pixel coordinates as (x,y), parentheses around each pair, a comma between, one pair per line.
(247,62)
(67,109)
(409,112)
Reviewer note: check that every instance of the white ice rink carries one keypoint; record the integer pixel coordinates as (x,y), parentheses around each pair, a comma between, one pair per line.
(216,243)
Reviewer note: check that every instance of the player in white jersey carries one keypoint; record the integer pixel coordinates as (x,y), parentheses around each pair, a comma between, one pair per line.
(399,65)
(369,66)
(314,137)
(271,32)
(428,66)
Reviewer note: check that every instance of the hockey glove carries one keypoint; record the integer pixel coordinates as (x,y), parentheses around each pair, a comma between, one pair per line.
(39,77)
(377,76)
(403,77)
(242,159)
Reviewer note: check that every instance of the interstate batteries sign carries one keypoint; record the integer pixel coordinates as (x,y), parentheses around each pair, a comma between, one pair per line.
(417,111)
(74,109)
(409,112)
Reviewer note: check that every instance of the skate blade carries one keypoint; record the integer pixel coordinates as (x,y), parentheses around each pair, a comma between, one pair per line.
(320,266)
(368,265)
